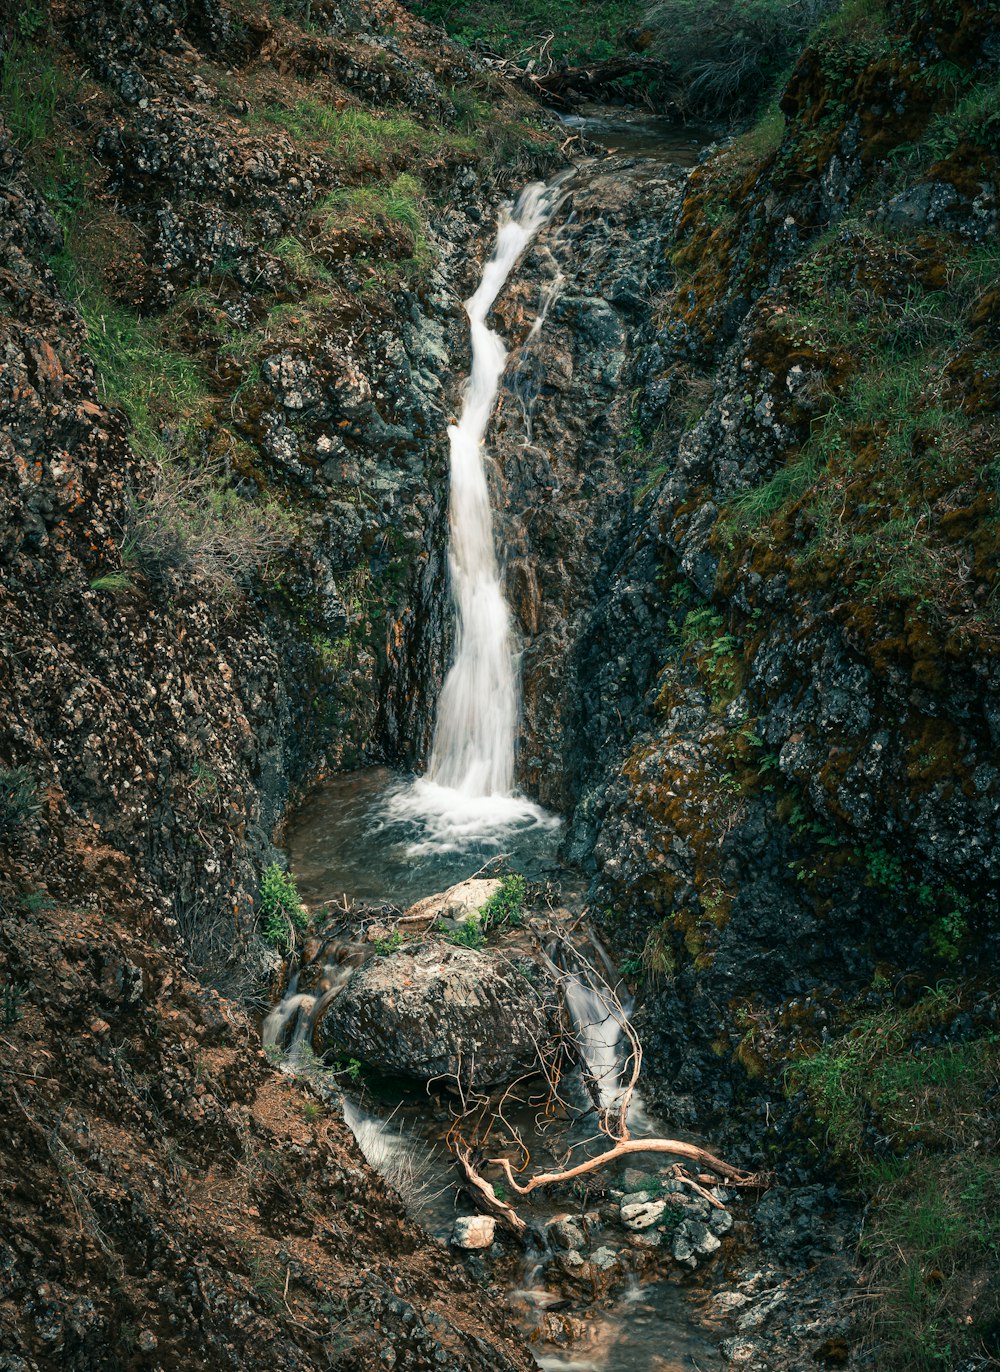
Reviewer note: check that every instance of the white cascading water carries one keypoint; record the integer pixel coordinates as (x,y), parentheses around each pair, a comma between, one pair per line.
(468,790)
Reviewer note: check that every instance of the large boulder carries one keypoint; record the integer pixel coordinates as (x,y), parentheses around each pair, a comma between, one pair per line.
(436,1010)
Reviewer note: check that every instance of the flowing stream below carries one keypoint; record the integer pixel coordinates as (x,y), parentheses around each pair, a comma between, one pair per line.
(373,842)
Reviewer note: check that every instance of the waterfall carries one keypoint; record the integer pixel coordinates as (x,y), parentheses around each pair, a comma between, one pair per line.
(468,790)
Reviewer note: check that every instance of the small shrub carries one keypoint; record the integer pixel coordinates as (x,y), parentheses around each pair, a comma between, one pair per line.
(18,799)
(281,908)
(192,524)
(384,946)
(11,994)
(33,902)
(351,1069)
(506,904)
(467,935)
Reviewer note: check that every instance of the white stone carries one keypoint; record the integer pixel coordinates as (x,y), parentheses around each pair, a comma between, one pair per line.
(473,1231)
(642,1215)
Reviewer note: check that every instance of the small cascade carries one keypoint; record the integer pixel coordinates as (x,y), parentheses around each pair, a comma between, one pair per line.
(468,790)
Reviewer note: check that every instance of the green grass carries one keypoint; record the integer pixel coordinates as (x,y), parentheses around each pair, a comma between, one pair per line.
(114,582)
(914,1128)
(357,138)
(31,86)
(151,384)
(368,213)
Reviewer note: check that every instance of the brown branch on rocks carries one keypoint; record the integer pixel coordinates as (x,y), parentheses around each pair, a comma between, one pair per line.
(733,1175)
(557,83)
(612,1116)
(486,1197)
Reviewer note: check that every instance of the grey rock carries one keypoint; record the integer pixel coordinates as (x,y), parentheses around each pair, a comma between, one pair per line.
(758,1314)
(563,1232)
(434,1010)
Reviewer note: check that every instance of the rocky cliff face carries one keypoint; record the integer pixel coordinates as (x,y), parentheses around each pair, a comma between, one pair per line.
(806,799)
(224,482)
(223,380)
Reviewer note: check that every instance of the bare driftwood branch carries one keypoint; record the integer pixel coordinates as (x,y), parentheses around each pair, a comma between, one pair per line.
(623,1149)
(486,1197)
(610,1107)
(555,83)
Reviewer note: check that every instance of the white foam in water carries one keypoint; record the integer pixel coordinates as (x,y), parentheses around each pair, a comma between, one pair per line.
(468,792)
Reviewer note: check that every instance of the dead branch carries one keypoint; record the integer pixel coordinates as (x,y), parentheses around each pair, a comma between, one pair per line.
(623,1149)
(555,84)
(486,1196)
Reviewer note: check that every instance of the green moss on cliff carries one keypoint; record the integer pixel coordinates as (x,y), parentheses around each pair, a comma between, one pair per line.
(913,1121)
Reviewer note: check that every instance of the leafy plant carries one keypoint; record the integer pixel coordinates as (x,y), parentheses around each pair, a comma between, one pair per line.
(280,908)
(468,935)
(506,905)
(384,946)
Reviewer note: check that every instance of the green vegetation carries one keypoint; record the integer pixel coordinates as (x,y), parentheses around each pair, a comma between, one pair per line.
(726,55)
(152,385)
(700,634)
(913,1126)
(31,86)
(280,908)
(569,32)
(506,905)
(11,994)
(384,946)
(469,934)
(358,138)
(371,213)
(116,582)
(18,799)
(351,1068)
(870,493)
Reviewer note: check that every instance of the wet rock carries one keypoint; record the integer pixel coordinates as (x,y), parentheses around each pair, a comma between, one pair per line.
(727,1301)
(693,1240)
(432,1010)
(565,1233)
(758,1314)
(473,1231)
(636,1198)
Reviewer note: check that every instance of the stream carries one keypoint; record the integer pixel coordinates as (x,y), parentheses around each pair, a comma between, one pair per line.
(375,843)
